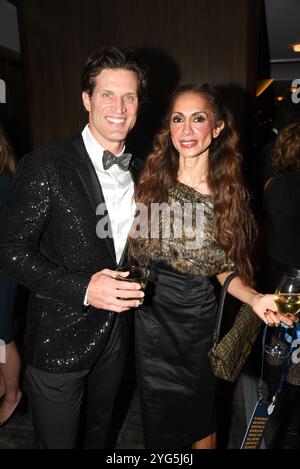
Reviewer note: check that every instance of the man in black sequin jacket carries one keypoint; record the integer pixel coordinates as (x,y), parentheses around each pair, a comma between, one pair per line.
(53,242)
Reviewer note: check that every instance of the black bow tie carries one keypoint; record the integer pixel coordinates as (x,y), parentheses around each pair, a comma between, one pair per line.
(122,161)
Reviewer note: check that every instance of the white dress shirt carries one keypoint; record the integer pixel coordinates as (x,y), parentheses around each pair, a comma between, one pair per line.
(118,189)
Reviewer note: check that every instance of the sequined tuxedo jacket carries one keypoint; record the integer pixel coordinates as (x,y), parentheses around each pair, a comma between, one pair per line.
(48,243)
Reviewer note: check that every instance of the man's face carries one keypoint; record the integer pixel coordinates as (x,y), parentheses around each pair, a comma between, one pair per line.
(112,107)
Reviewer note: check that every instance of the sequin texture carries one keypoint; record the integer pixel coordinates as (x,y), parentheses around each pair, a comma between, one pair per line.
(48,243)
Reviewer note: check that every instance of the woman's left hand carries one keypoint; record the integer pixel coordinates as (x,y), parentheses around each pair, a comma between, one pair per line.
(265,307)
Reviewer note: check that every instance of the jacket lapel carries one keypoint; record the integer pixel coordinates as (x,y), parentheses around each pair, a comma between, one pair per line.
(90,181)
(135,168)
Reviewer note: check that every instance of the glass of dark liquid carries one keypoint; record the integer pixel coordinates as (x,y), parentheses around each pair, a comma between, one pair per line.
(136,274)
(287,299)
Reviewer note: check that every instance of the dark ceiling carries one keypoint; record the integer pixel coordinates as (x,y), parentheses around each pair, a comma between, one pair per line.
(283,26)
(283,22)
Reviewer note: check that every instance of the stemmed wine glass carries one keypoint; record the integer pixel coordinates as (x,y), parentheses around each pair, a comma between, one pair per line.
(287,299)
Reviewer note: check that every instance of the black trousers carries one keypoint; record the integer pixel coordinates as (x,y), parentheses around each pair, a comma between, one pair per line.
(56,398)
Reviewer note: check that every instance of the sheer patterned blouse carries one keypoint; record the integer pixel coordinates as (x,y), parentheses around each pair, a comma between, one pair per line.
(185,236)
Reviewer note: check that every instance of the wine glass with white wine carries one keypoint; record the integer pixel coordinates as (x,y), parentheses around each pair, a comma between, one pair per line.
(287,299)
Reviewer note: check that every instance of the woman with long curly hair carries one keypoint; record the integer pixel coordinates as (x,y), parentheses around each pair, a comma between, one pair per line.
(197,225)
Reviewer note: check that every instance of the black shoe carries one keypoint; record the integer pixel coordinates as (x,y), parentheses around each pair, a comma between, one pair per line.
(21,408)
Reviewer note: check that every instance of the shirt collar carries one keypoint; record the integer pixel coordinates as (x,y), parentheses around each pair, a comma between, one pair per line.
(95,151)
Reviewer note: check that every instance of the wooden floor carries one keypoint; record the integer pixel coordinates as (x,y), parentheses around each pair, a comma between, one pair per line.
(18,433)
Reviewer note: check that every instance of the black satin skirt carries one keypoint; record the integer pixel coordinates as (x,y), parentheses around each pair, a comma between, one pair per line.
(173,336)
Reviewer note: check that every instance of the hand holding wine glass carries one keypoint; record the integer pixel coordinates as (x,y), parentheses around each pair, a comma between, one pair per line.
(265,307)
(287,295)
(287,300)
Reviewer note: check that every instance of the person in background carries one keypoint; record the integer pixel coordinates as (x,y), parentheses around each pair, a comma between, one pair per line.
(282,207)
(287,113)
(282,220)
(63,237)
(195,163)
(10,391)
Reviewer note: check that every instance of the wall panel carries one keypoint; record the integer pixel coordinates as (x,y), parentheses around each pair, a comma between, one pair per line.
(194,40)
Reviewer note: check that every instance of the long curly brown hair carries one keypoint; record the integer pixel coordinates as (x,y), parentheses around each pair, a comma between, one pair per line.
(287,149)
(7,156)
(234,222)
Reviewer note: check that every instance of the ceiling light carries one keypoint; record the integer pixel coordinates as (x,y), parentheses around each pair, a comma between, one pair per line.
(295,47)
(262,85)
(279,98)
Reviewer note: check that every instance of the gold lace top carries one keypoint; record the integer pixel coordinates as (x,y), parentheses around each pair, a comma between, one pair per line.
(187,242)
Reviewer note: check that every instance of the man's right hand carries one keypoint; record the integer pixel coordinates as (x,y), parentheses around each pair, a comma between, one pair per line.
(104,291)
